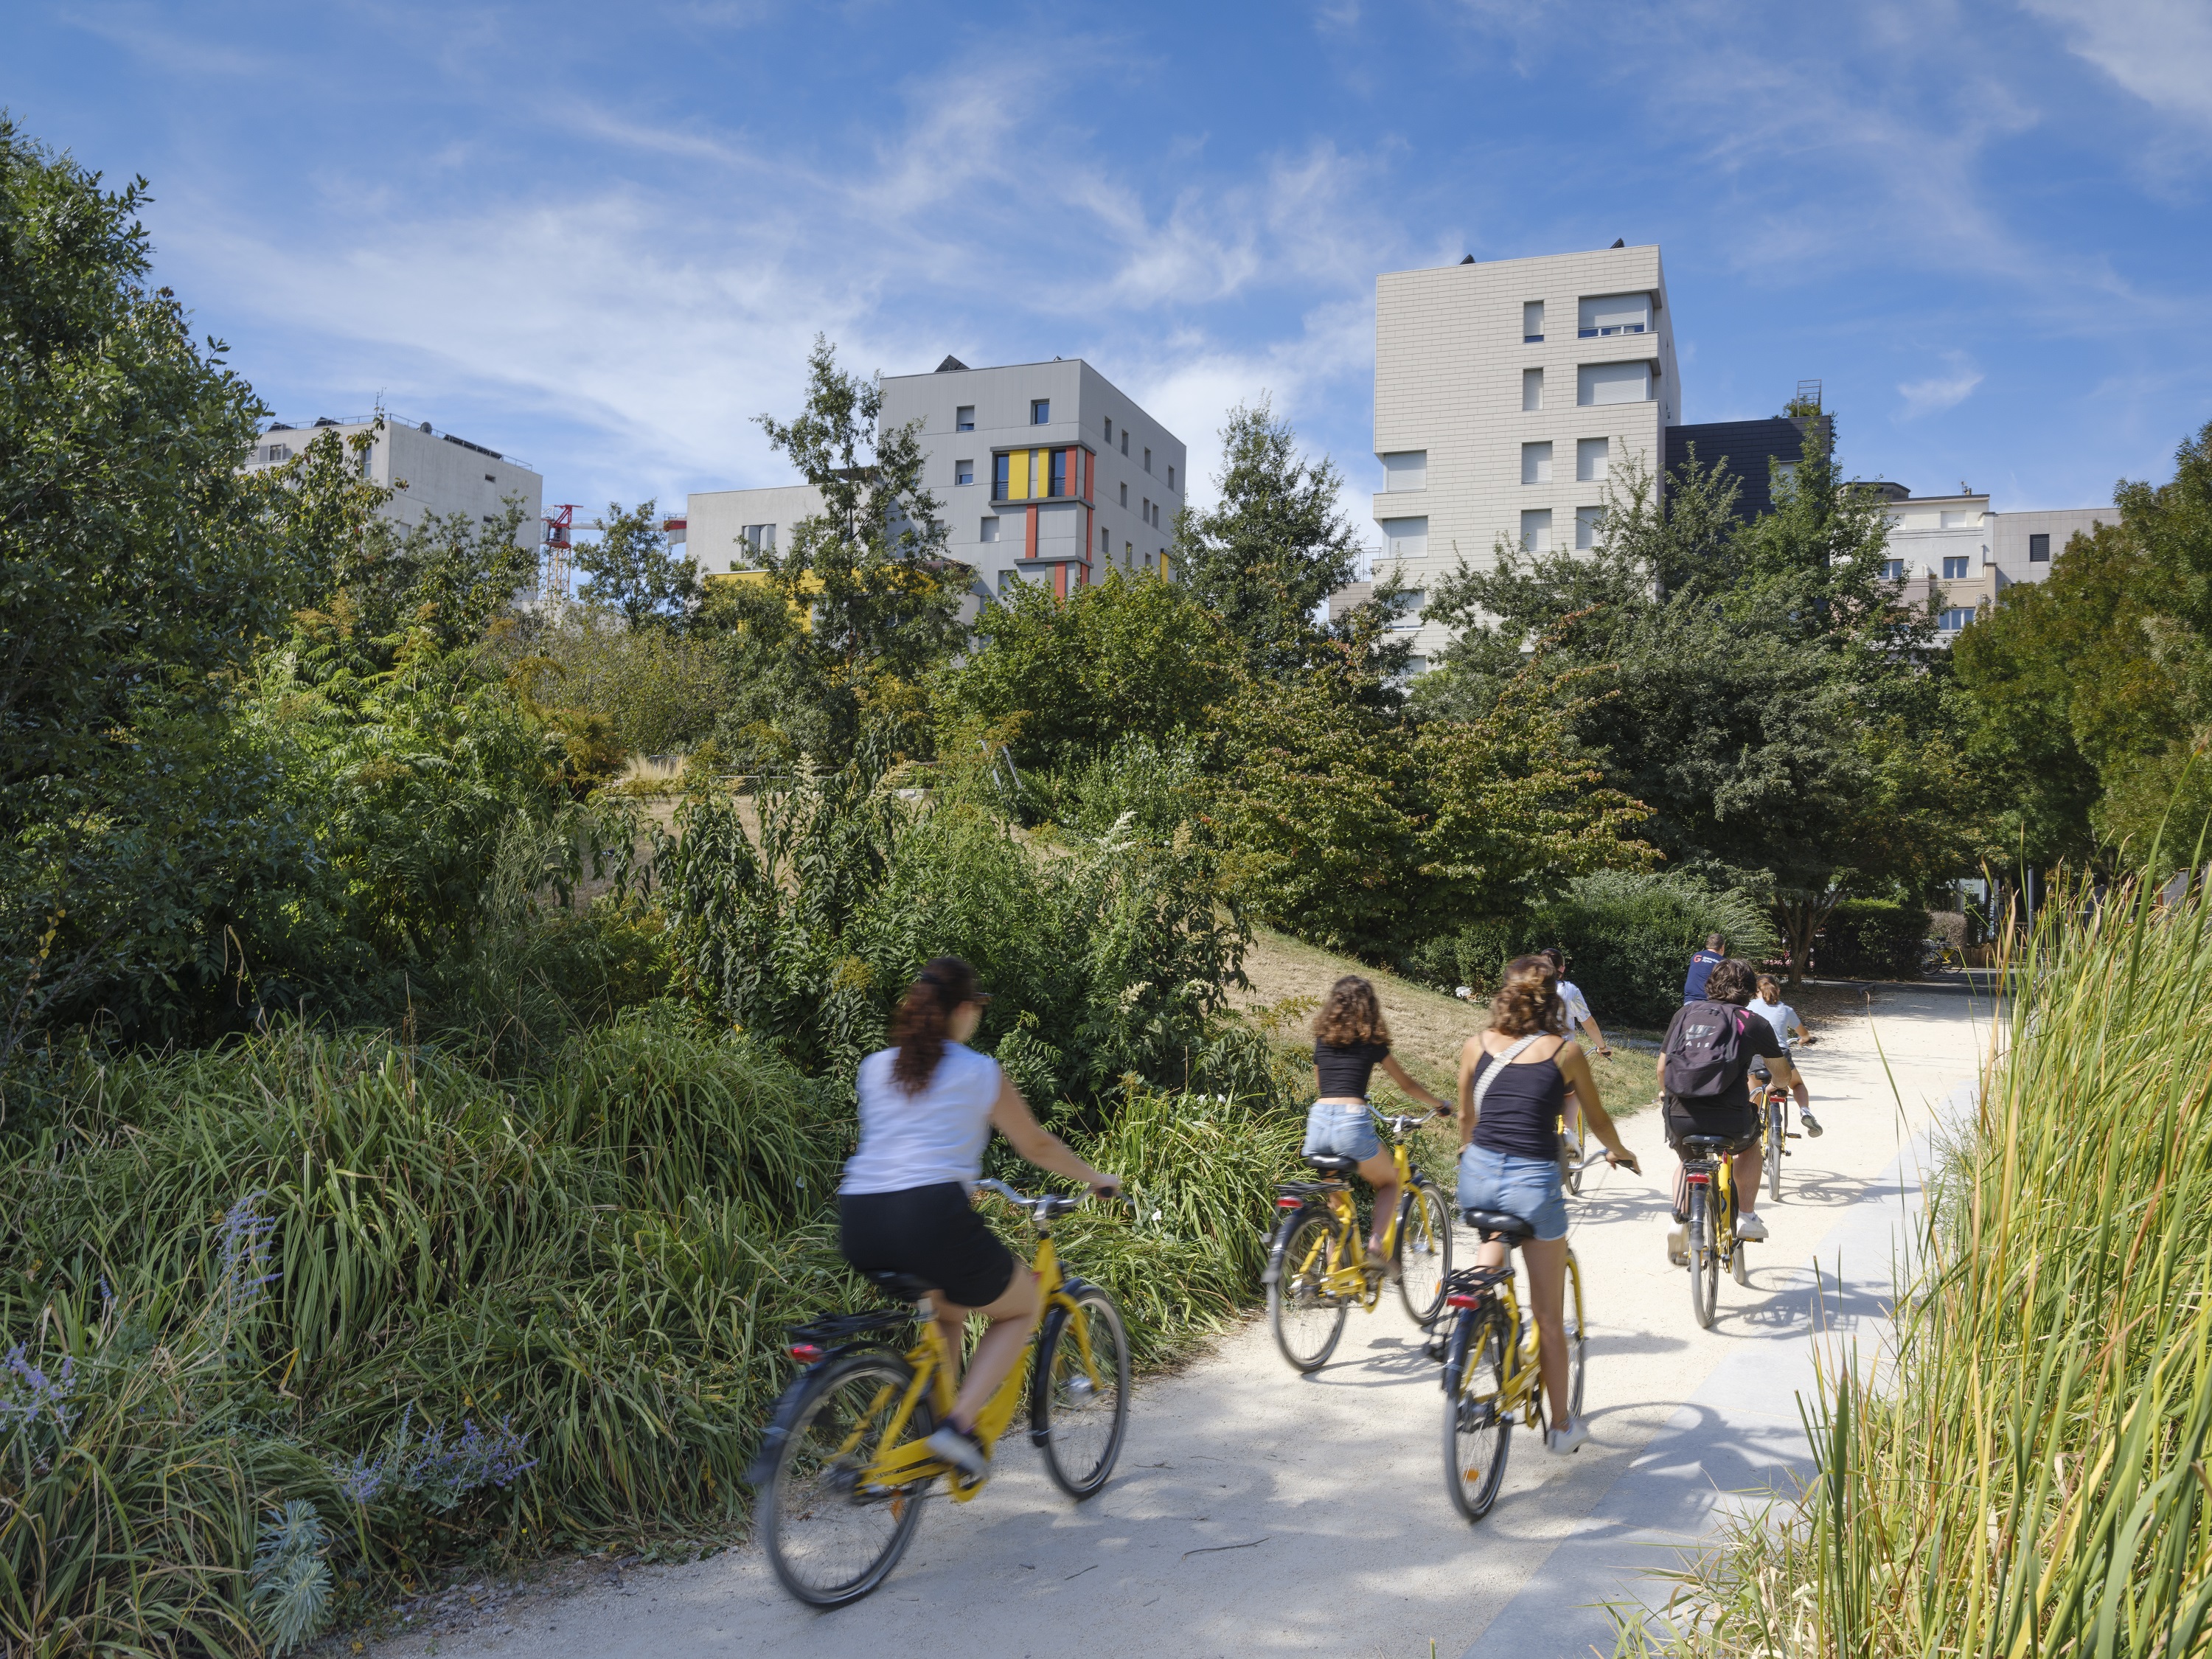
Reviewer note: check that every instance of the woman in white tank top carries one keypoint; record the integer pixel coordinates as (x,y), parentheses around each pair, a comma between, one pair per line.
(928,1104)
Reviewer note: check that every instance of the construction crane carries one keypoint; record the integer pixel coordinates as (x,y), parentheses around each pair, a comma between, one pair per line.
(553,565)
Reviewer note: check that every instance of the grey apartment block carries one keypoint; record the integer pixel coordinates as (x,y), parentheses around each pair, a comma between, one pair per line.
(1506,394)
(1042,472)
(1953,547)
(431,470)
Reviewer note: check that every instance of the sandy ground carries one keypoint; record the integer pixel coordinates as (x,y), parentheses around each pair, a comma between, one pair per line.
(1256,1512)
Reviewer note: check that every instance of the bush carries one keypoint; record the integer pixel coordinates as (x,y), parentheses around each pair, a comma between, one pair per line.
(1872,939)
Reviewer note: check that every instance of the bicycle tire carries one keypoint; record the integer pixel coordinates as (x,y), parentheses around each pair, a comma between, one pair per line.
(1478,1437)
(1577,1337)
(1306,1317)
(1424,1250)
(1704,1259)
(1574,1182)
(1078,1414)
(813,1487)
(1777,1127)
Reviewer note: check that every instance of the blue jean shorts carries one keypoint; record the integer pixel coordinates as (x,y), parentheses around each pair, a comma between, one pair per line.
(1526,1187)
(1334,1131)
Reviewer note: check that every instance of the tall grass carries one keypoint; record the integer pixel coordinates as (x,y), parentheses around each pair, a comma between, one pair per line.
(2025,1473)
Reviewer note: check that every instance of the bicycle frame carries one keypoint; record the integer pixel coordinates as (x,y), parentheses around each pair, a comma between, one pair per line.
(1522,1364)
(1347,1276)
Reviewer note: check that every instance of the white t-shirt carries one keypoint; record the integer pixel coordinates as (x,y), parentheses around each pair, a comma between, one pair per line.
(1780,1015)
(1573,1005)
(922,1139)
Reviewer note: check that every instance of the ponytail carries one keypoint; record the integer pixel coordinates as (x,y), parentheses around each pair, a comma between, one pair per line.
(918,1027)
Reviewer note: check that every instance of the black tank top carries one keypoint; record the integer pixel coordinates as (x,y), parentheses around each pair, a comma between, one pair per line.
(1520,1113)
(1344,1070)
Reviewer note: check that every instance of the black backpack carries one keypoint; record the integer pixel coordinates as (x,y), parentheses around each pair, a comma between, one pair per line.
(1704,1050)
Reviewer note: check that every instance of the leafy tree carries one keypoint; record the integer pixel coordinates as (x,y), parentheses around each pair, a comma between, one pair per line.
(1131,655)
(872,604)
(1268,557)
(630,569)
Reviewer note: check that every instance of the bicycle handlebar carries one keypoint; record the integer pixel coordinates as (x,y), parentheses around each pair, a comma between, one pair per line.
(1034,1207)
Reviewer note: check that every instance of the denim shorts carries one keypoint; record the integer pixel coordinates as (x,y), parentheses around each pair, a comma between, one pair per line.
(1526,1187)
(1335,1131)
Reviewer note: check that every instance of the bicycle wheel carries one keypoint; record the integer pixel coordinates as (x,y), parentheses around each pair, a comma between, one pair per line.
(1704,1258)
(1777,1125)
(1477,1434)
(1577,1340)
(1424,1251)
(1306,1317)
(1079,1404)
(1580,1135)
(830,1538)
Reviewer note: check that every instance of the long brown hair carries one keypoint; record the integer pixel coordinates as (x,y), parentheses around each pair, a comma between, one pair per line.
(918,1028)
(1527,1003)
(1733,981)
(1354,1014)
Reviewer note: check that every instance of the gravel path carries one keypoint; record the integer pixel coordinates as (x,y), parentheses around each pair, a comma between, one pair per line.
(1256,1512)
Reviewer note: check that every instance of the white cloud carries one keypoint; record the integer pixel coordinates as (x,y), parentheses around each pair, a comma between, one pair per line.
(1940,391)
(2159,50)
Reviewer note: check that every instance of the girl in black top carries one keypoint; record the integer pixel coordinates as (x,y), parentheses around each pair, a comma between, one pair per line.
(1350,1041)
(1509,1151)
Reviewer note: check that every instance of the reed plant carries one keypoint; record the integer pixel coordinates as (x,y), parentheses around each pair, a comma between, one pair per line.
(2023,1472)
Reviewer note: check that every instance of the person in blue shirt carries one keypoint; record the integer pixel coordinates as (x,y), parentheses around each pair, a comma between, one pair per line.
(1702,965)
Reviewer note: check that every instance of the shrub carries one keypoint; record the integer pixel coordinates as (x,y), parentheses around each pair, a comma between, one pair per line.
(1873,938)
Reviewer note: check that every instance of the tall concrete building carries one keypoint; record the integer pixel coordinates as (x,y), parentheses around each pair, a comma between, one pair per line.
(1043,472)
(442,473)
(1506,394)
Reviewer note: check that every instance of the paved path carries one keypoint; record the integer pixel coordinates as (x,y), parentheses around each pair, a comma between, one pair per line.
(1258,1512)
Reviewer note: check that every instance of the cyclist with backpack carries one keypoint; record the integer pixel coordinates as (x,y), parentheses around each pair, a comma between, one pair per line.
(1704,1066)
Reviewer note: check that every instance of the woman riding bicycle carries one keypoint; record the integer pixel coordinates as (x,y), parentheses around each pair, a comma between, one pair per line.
(1350,1041)
(928,1104)
(1509,1151)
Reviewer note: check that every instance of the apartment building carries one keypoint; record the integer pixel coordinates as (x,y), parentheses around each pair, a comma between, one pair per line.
(1506,392)
(430,470)
(1956,545)
(1043,472)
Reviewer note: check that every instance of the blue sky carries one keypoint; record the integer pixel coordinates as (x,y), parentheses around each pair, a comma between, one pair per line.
(602,237)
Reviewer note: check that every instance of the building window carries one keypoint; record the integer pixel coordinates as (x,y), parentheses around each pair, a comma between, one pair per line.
(988,530)
(963,418)
(1125,494)
(1002,468)
(1532,322)
(1416,666)
(1531,389)
(1171,477)
(1612,383)
(963,472)
(1109,429)
(1041,411)
(1536,530)
(1406,470)
(1613,313)
(1059,481)
(1105,547)
(1955,569)
(1129,554)
(1893,570)
(1008,578)
(1148,460)
(1125,440)
(1406,610)
(2039,549)
(1961,519)
(1589,526)
(759,537)
(1592,456)
(1406,539)
(1952,621)
(1535,464)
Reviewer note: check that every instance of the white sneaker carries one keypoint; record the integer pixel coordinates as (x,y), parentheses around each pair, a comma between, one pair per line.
(1678,1247)
(1750,1228)
(963,1451)
(1812,1124)
(1560,1442)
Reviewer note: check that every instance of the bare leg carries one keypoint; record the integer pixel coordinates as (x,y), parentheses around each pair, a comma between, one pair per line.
(1012,1317)
(1380,1172)
(1547,1291)
(1749,1166)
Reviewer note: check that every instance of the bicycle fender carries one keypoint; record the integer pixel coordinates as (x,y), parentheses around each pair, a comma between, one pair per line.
(783,1418)
(1273,1272)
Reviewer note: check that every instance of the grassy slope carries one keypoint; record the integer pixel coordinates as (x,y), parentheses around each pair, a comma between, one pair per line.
(1426,1026)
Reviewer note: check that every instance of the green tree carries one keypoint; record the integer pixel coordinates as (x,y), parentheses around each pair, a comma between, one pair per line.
(1269,554)
(630,569)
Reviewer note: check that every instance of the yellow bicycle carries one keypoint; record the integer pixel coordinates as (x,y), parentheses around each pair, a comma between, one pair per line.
(1493,1372)
(843,1470)
(1317,1261)
(1709,1172)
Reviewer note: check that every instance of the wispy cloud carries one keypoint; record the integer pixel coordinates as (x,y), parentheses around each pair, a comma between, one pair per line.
(2159,50)
(1940,391)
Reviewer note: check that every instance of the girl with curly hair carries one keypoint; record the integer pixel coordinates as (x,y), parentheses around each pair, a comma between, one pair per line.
(1350,1041)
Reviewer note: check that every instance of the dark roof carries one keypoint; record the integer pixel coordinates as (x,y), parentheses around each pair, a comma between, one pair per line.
(1746,446)
(950,365)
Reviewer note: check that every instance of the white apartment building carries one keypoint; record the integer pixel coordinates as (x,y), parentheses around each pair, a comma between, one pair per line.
(1956,545)
(431,471)
(1505,393)
(1043,472)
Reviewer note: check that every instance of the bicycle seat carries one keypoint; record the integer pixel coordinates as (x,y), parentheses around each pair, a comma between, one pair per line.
(905,1286)
(1697,1147)
(1332,1164)
(1501,1222)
